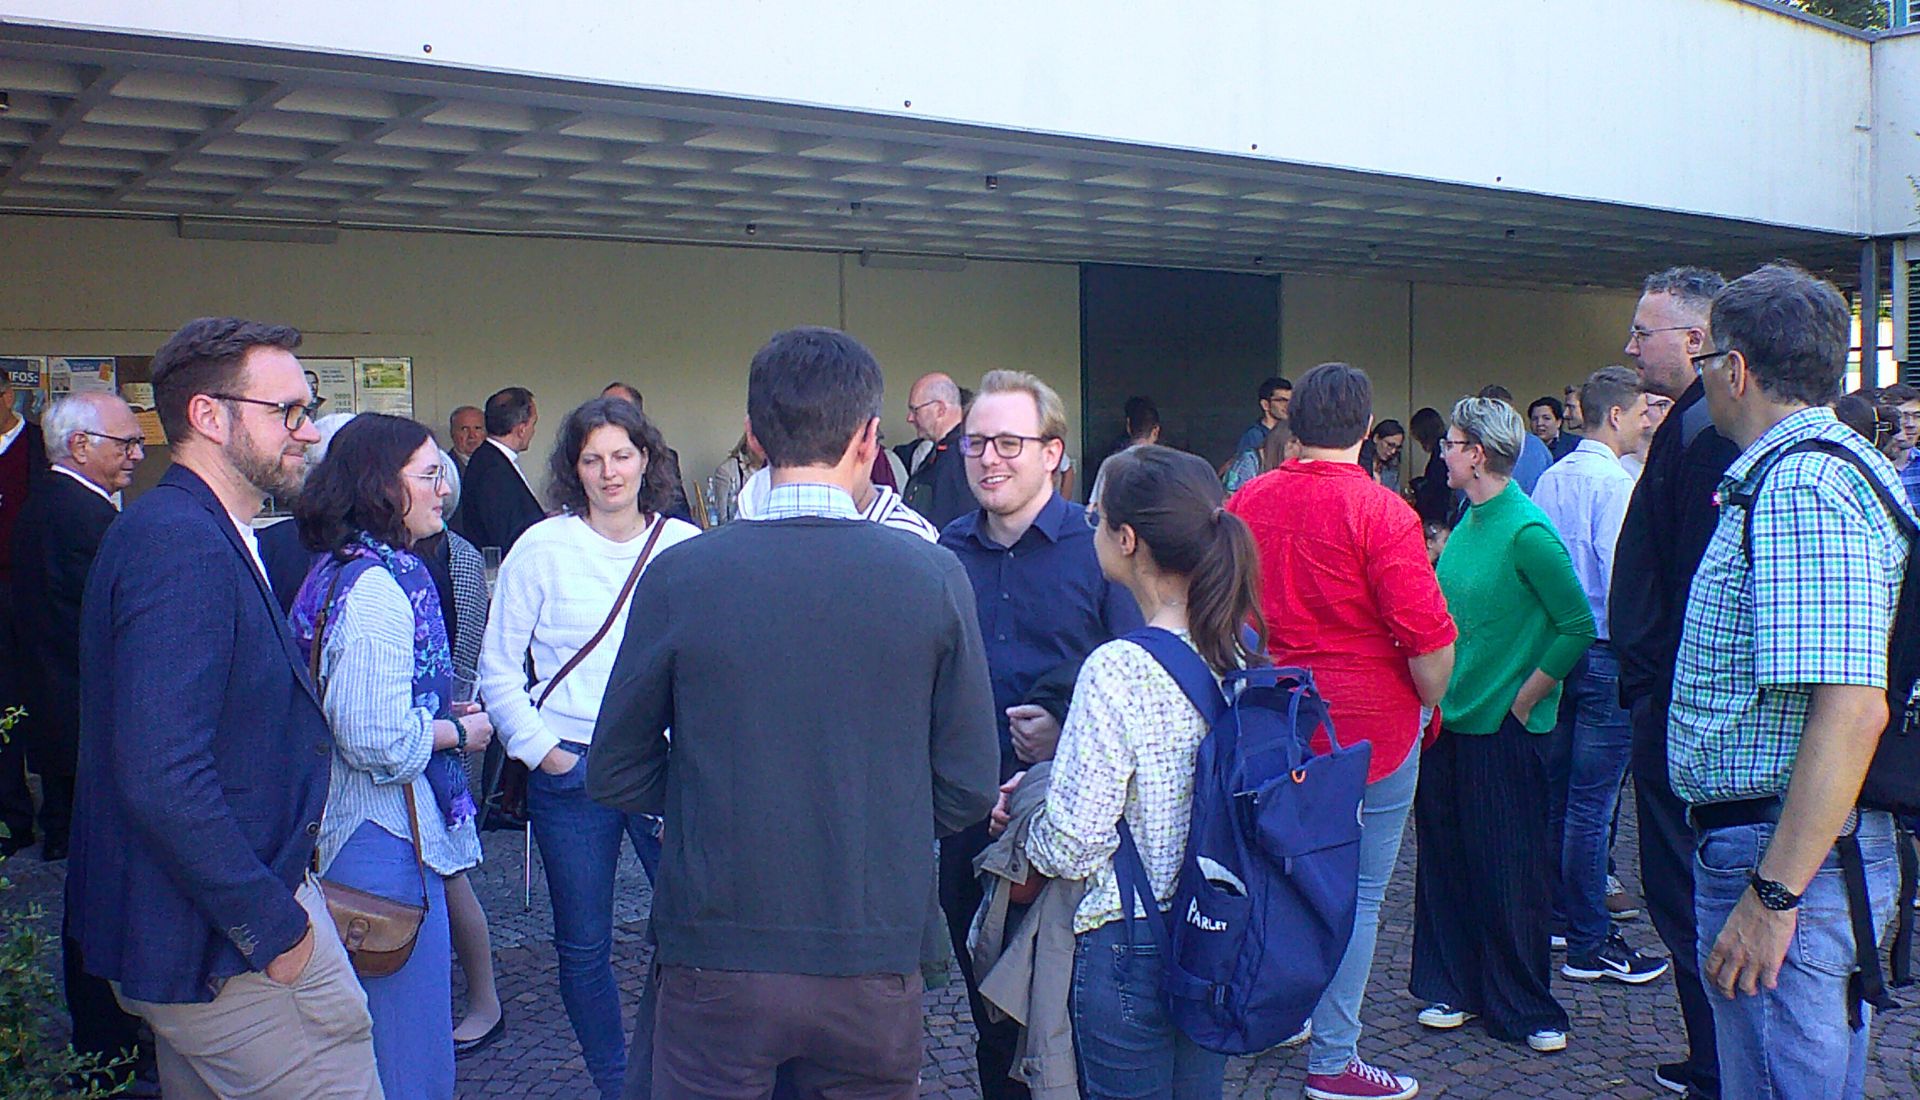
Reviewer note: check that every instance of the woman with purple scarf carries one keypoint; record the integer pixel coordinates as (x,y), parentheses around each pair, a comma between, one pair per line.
(386,683)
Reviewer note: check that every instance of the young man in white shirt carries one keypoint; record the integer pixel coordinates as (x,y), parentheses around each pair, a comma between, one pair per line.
(1586,495)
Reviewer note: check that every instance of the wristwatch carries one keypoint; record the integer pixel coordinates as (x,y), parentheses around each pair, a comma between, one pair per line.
(460,732)
(1773,895)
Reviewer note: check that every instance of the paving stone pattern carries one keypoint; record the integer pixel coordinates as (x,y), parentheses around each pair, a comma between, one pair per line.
(1618,1035)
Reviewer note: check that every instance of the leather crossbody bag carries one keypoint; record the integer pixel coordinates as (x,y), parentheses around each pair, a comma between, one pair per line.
(378,932)
(512,793)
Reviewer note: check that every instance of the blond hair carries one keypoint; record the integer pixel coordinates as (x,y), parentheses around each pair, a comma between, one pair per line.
(1053,412)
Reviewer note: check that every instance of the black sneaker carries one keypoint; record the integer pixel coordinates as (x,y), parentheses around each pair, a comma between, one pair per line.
(1617,961)
(1672,1076)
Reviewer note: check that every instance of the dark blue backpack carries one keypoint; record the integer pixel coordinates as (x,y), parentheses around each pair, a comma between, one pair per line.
(1264,906)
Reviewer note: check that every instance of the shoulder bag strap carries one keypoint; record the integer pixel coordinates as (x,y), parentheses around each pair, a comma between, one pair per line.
(313,667)
(633,578)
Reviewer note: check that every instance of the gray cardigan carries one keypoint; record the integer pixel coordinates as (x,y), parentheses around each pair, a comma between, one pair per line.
(380,738)
(1027,974)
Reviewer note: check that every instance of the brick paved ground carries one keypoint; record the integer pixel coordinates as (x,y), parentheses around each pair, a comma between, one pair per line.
(1618,1034)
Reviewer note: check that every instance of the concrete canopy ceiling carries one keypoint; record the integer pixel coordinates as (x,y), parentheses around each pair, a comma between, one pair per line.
(114,126)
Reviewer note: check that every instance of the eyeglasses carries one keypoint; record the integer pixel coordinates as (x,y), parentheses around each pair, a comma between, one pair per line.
(1008,446)
(1700,361)
(1447,443)
(297,414)
(1093,517)
(912,408)
(129,445)
(1636,333)
(437,476)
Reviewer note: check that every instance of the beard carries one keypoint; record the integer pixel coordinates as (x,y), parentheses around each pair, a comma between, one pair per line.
(263,470)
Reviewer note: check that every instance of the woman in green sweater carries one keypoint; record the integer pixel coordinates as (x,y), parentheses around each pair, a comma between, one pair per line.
(1483,888)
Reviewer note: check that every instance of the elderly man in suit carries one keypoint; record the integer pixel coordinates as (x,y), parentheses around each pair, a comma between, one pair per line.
(95,445)
(208,754)
(497,502)
(23,457)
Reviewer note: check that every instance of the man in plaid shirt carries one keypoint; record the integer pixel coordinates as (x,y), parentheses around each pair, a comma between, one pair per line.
(1779,698)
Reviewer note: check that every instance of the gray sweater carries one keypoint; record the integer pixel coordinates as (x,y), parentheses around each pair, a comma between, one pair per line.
(831,714)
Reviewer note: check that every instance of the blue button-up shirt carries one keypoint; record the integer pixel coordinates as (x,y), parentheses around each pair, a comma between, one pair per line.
(1585,495)
(1042,601)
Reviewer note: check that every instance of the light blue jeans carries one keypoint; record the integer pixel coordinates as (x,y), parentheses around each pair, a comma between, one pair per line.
(1383,817)
(1123,1036)
(1601,749)
(1793,1042)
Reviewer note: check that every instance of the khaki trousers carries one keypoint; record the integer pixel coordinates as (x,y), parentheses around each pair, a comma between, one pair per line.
(258,1038)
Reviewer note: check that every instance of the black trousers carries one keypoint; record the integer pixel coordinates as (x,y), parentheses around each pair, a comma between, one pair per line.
(1666,878)
(960,895)
(1483,885)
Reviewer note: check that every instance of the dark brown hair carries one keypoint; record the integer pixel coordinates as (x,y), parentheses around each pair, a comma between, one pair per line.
(357,487)
(1173,502)
(1274,451)
(656,484)
(207,355)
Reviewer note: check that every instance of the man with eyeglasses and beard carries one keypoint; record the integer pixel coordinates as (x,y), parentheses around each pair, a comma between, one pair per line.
(1043,606)
(207,752)
(1662,540)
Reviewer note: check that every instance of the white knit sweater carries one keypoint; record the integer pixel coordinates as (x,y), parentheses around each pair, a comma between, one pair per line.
(554,591)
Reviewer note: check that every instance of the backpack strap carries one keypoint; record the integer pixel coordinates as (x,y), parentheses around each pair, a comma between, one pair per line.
(1868,984)
(1187,668)
(1902,516)
(1902,958)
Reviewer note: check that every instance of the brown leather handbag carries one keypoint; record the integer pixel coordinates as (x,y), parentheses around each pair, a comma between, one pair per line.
(378,933)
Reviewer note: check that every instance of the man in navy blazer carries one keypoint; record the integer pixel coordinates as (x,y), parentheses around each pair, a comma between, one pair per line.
(207,753)
(496,498)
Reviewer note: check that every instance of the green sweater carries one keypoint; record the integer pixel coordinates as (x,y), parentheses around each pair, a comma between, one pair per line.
(1519,607)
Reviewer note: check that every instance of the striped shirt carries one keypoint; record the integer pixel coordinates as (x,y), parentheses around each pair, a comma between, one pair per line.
(888,510)
(1814,605)
(380,739)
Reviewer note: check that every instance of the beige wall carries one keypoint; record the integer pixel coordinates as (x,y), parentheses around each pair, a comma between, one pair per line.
(562,317)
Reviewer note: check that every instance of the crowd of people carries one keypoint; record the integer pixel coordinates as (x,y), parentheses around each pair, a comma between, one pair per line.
(264,753)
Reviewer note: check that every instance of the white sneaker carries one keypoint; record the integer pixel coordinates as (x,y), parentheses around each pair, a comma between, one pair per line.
(1547,1040)
(1443,1017)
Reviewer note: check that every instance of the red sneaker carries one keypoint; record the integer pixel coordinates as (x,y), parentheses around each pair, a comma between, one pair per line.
(1360,1081)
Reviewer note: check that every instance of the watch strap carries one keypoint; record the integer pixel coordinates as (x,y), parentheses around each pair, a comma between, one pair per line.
(1772,894)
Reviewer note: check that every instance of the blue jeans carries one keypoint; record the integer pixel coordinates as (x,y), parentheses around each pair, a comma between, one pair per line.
(1383,816)
(412,1032)
(579,843)
(1793,1042)
(1123,1038)
(1598,753)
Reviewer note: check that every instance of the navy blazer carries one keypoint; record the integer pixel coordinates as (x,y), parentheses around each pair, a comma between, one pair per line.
(207,756)
(496,506)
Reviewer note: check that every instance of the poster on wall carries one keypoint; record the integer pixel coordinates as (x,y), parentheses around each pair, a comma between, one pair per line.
(383,386)
(79,374)
(139,396)
(332,382)
(27,374)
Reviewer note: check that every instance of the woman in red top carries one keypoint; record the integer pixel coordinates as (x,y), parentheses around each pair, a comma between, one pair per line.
(1350,595)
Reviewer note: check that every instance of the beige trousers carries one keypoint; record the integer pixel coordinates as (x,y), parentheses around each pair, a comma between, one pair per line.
(258,1038)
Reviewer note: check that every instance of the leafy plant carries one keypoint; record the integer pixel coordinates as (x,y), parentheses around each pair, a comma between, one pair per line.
(31,1066)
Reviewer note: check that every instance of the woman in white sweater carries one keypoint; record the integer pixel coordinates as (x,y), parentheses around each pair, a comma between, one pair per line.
(385,672)
(556,590)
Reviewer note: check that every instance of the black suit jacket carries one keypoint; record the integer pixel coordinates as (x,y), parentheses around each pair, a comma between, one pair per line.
(495,504)
(54,543)
(939,490)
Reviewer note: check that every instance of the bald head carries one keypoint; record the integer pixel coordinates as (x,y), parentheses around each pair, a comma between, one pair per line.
(95,436)
(933,406)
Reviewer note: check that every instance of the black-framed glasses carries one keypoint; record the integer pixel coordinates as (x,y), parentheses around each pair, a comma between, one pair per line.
(1008,446)
(128,443)
(297,414)
(912,408)
(1700,361)
(1636,332)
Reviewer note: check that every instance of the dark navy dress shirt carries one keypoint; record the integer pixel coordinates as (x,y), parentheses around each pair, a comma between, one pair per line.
(1042,601)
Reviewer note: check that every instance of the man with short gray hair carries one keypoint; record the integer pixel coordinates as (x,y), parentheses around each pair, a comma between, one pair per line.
(938,487)
(95,444)
(1661,540)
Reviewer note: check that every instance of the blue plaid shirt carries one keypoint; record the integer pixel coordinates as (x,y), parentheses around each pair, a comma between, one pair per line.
(808,499)
(1815,606)
(1910,478)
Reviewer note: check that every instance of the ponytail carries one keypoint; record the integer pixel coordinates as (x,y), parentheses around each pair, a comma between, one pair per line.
(1174,505)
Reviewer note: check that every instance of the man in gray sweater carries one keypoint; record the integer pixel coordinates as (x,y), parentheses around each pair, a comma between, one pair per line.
(828,696)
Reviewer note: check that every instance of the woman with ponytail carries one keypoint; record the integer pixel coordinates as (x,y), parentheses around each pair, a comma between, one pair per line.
(1127,751)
